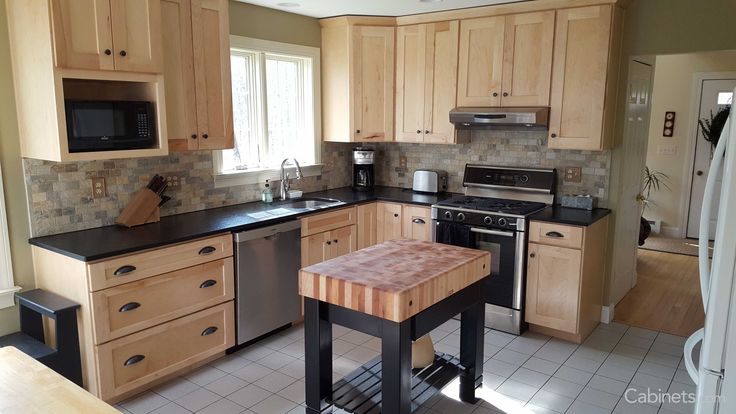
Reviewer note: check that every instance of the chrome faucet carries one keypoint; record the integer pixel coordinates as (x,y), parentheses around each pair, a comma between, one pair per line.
(285,180)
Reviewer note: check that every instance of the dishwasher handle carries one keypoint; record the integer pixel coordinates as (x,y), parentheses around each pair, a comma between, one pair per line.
(268,232)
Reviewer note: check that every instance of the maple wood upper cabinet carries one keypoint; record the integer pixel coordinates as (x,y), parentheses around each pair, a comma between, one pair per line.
(426,82)
(197,71)
(122,35)
(584,75)
(358,79)
(506,60)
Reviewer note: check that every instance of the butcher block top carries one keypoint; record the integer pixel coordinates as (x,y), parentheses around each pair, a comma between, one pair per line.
(396,279)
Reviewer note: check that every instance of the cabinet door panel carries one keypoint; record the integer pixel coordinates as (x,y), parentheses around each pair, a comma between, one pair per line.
(136,33)
(366,225)
(343,241)
(441,81)
(211,45)
(315,249)
(181,108)
(527,59)
(553,286)
(481,62)
(579,77)
(410,82)
(417,223)
(388,226)
(82,33)
(373,83)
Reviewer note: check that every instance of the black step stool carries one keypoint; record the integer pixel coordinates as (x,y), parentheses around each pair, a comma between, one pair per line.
(65,358)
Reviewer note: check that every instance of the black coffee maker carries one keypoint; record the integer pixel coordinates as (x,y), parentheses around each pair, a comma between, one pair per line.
(363,174)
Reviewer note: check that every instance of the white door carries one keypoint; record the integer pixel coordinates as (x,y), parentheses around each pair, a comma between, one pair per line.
(634,158)
(714,95)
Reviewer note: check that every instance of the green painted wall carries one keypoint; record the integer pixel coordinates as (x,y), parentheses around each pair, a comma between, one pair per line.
(263,23)
(15,189)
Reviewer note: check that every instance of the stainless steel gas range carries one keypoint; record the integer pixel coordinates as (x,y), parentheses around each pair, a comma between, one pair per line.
(492,216)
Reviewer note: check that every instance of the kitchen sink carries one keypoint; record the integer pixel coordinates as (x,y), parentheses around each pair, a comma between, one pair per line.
(309,203)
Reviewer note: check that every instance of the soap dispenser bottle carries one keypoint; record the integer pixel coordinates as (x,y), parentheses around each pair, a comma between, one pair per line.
(267,194)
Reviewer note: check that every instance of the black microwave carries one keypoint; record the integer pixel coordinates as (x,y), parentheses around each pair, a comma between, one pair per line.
(109,125)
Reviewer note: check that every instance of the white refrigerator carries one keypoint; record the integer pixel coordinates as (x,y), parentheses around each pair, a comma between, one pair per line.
(715,372)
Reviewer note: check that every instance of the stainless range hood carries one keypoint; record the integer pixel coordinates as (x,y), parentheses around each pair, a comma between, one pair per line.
(513,118)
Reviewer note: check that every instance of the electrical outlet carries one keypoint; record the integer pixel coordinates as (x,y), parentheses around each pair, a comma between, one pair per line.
(402,161)
(99,189)
(666,149)
(174,181)
(573,174)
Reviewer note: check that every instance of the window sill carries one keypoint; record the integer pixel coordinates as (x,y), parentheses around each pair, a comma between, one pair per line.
(7,297)
(230,179)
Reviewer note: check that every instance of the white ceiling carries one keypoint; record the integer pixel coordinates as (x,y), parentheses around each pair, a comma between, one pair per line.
(327,8)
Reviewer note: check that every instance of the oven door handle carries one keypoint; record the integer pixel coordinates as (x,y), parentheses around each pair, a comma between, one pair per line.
(492,232)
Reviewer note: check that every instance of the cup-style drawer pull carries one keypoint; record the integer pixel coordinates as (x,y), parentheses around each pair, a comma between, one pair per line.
(129,307)
(124,270)
(134,360)
(209,331)
(555,234)
(207,283)
(207,250)
(418,221)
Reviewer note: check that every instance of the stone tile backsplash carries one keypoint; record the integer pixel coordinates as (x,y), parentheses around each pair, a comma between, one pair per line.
(502,148)
(60,194)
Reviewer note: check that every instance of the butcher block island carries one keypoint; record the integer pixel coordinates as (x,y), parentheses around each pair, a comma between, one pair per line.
(399,291)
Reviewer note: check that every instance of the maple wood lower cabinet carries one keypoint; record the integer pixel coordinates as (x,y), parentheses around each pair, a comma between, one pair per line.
(417,222)
(146,316)
(328,235)
(565,272)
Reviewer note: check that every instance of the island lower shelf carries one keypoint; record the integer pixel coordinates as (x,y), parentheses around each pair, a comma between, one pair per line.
(360,391)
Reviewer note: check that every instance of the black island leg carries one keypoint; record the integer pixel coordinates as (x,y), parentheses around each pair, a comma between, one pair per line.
(318,355)
(472,323)
(396,367)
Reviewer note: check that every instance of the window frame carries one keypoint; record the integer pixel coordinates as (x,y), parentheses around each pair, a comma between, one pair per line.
(254,176)
(7,284)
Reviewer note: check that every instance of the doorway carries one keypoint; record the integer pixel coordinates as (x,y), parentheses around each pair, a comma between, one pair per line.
(715,94)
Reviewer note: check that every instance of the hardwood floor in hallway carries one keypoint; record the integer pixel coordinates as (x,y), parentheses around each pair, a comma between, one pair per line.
(667,295)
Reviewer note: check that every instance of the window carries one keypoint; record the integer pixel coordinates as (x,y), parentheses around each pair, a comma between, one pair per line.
(275,110)
(7,287)
(725,98)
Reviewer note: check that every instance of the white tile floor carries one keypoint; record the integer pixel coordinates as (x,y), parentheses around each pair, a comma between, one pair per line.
(527,375)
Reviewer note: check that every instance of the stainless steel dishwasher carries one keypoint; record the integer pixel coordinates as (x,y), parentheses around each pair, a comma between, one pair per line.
(267,270)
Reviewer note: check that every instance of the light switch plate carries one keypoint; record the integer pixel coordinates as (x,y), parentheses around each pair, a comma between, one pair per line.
(99,189)
(573,174)
(174,181)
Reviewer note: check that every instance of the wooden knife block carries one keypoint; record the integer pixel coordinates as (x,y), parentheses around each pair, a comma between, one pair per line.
(141,209)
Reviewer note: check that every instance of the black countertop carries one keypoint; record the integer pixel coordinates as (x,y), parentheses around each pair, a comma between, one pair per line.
(571,216)
(103,242)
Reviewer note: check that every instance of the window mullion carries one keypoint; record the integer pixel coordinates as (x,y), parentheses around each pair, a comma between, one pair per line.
(265,152)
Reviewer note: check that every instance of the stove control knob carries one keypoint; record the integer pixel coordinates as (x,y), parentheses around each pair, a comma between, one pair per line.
(488,220)
(502,221)
(460,217)
(524,178)
(448,215)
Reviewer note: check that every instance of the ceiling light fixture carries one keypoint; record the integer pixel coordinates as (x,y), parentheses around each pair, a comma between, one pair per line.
(288,4)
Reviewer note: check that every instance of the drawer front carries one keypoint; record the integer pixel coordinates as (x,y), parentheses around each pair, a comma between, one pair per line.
(328,221)
(130,362)
(129,308)
(119,270)
(556,234)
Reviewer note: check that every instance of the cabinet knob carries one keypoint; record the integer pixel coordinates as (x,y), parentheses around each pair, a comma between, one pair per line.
(123,53)
(532,255)
(357,131)
(396,214)
(335,241)
(108,52)
(194,136)
(553,135)
(495,94)
(205,136)
(419,131)
(329,242)
(426,131)
(505,94)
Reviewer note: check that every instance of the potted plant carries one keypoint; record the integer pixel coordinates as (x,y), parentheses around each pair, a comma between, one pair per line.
(652,181)
(712,128)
